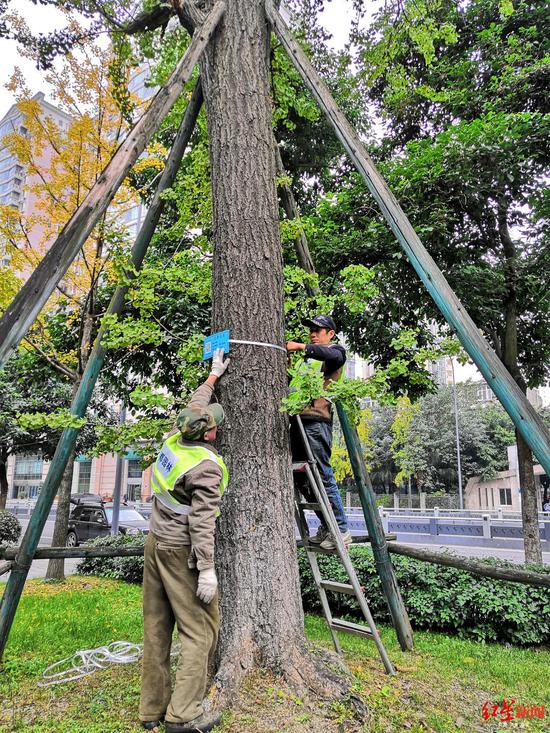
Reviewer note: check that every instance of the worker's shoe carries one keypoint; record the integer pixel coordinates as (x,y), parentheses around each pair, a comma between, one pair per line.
(330,544)
(202,724)
(151,724)
(322,534)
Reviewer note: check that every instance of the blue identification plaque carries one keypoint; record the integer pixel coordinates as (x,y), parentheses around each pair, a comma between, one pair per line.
(219,340)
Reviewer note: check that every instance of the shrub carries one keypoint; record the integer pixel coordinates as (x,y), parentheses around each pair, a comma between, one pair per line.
(10,528)
(129,569)
(437,598)
(384,500)
(440,598)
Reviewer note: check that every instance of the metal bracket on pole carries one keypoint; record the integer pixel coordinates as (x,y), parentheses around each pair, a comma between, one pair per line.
(38,518)
(498,378)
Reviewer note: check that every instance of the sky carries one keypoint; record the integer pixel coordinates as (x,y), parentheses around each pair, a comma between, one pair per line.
(336,18)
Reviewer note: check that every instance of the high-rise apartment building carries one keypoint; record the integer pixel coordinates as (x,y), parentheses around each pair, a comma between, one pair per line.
(14,179)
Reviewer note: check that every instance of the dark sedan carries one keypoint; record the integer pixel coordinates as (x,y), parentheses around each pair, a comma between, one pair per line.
(88,521)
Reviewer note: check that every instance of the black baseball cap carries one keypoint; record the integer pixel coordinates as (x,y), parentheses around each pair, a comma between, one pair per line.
(319,322)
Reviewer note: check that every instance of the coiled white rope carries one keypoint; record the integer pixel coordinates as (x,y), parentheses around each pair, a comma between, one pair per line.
(85,661)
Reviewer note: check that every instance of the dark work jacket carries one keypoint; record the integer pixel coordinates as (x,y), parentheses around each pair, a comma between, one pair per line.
(333,358)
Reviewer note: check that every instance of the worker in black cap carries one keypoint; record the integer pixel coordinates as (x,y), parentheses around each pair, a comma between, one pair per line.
(321,353)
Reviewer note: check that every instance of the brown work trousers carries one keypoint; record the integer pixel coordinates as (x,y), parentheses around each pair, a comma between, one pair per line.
(169,598)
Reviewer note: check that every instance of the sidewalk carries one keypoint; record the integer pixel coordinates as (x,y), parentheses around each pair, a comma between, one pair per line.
(39,568)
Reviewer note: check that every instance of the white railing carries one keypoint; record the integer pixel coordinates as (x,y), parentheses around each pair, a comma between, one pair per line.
(438,512)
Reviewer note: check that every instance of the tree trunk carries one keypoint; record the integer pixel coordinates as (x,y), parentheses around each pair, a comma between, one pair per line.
(256,550)
(3,479)
(529,508)
(56,567)
(529,504)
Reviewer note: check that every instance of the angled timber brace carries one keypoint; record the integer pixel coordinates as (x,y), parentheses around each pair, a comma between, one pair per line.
(27,549)
(386,572)
(28,303)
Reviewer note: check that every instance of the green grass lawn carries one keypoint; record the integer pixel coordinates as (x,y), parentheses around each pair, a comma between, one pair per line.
(440,688)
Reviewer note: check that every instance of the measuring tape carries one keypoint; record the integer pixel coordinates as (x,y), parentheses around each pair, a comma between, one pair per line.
(257,343)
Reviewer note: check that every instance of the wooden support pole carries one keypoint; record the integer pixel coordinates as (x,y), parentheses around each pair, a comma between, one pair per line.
(400,617)
(477,567)
(498,378)
(48,553)
(28,303)
(26,554)
(9,553)
(291,210)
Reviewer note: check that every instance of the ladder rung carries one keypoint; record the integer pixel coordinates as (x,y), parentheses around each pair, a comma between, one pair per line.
(341,625)
(356,540)
(360,539)
(313,505)
(337,587)
(310,547)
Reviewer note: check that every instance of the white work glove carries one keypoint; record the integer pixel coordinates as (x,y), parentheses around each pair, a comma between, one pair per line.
(218,364)
(208,585)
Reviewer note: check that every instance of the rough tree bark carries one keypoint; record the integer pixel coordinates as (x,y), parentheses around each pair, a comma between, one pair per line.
(256,550)
(529,504)
(56,566)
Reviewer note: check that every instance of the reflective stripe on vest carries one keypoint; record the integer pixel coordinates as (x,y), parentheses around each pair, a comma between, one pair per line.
(173,462)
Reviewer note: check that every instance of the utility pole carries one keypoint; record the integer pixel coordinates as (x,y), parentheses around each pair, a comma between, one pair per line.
(118,480)
(458,461)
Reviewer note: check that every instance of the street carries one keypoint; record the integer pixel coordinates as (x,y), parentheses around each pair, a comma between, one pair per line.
(39,567)
(480,552)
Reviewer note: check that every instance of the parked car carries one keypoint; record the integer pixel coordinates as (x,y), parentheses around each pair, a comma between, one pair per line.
(92,518)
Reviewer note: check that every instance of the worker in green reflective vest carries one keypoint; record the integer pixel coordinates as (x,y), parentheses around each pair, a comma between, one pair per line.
(328,357)
(179,578)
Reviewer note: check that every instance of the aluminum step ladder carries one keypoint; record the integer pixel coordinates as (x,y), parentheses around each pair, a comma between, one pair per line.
(322,504)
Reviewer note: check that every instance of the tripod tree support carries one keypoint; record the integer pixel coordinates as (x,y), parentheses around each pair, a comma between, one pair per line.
(28,303)
(400,617)
(26,553)
(527,421)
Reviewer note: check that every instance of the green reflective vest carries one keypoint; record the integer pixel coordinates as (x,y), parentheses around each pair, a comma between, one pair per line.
(173,462)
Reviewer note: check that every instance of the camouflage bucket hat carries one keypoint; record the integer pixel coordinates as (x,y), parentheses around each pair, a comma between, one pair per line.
(193,424)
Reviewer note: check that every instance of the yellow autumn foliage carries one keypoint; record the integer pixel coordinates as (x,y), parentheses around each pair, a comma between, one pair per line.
(400,430)
(62,163)
(340,459)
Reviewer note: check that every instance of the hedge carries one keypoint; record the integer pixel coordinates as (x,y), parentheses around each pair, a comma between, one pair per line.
(10,528)
(440,598)
(129,569)
(437,598)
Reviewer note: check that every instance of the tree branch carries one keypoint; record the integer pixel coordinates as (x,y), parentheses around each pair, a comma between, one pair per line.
(150,20)
(53,362)
(190,16)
